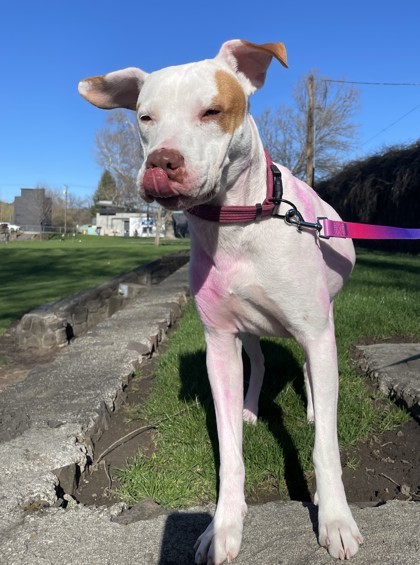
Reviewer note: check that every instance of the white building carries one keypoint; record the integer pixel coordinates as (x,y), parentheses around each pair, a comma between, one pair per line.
(116,221)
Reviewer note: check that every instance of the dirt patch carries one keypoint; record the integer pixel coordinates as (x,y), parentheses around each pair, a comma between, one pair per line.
(128,436)
(386,467)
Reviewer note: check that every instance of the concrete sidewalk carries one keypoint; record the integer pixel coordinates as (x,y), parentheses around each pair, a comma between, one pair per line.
(48,427)
(274,533)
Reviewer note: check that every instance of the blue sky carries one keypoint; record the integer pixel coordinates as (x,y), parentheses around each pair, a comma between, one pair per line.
(47,130)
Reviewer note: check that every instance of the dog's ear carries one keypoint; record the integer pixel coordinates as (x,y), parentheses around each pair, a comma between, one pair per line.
(251,61)
(119,89)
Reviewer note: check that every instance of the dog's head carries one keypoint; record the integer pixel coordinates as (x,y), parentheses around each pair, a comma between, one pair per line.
(192,119)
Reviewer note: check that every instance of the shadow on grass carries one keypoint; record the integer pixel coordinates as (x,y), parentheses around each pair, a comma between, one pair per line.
(282,370)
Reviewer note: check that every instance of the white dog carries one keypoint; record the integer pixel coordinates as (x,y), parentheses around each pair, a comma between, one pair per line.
(251,273)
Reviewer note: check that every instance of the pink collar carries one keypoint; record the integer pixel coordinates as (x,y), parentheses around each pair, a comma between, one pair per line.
(241,214)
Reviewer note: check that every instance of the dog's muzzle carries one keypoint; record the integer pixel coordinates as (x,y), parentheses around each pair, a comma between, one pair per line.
(164,171)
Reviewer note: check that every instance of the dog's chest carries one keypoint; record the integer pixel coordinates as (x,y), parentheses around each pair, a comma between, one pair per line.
(230,297)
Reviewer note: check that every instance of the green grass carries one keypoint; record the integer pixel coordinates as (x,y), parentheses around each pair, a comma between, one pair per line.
(35,272)
(380,301)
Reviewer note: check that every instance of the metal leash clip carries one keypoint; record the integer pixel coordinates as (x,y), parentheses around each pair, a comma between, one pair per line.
(294,218)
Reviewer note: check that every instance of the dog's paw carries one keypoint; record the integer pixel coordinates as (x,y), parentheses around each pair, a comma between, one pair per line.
(340,536)
(220,542)
(249,416)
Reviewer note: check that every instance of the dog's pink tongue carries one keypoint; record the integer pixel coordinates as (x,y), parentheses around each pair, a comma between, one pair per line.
(156,183)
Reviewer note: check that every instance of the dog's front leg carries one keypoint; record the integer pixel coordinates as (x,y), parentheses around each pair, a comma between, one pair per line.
(338,531)
(222,539)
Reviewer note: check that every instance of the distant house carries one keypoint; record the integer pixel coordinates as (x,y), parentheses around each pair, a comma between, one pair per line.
(112,219)
(33,209)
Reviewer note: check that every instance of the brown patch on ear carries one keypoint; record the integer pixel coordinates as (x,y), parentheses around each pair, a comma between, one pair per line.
(119,89)
(96,80)
(231,99)
(277,50)
(91,88)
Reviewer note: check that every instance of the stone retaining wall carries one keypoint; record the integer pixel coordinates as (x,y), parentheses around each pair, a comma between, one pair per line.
(54,324)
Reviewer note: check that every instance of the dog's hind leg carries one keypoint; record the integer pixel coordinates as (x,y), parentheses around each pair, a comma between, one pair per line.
(338,531)
(252,348)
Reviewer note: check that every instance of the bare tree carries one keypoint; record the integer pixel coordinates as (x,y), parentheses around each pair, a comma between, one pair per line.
(119,151)
(41,207)
(284,130)
(6,212)
(69,208)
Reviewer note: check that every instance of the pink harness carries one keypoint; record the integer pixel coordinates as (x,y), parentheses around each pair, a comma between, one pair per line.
(269,208)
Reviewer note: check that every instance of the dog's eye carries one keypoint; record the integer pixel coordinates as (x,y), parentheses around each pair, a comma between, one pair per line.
(145,118)
(211,112)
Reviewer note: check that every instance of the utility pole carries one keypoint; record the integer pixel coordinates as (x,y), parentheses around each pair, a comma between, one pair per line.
(310,133)
(66,189)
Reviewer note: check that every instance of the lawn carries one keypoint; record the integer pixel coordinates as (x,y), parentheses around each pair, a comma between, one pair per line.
(381,301)
(35,272)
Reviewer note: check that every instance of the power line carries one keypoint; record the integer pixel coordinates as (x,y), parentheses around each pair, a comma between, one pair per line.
(374,83)
(393,124)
